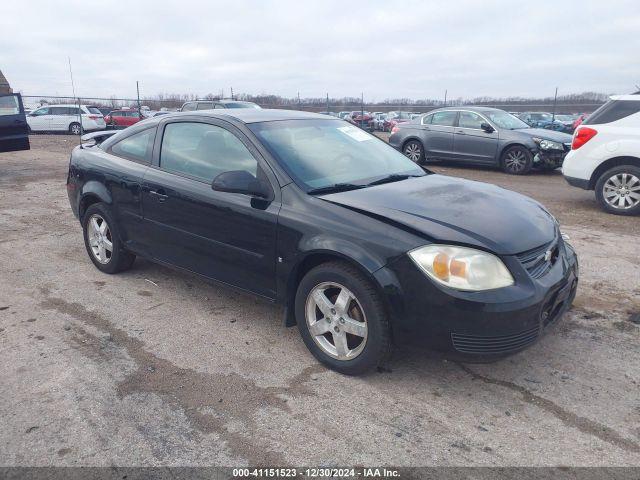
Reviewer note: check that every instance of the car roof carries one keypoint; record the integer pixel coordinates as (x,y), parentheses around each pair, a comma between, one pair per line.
(635,97)
(468,107)
(252,115)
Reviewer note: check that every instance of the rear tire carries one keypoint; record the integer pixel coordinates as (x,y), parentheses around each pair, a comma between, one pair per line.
(75,129)
(414,151)
(618,190)
(342,319)
(102,240)
(517,160)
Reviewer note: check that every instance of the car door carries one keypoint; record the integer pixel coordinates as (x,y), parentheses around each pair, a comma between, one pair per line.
(228,237)
(437,134)
(60,118)
(470,142)
(39,120)
(124,167)
(14,132)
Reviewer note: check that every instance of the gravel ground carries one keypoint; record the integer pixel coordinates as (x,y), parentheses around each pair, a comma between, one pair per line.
(154,367)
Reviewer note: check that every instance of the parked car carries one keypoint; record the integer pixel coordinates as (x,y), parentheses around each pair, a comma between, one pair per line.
(14,130)
(480,135)
(359,253)
(123,118)
(605,155)
(578,121)
(343,115)
(65,118)
(395,118)
(536,119)
(566,121)
(360,119)
(214,104)
(105,110)
(377,122)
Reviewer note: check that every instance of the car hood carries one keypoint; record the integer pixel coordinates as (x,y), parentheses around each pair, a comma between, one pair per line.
(546,134)
(452,210)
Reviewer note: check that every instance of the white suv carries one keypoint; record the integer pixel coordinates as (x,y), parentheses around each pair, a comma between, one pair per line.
(64,118)
(605,155)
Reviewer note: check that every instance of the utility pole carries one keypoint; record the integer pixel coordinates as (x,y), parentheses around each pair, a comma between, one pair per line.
(327,102)
(299,107)
(445,98)
(73,89)
(232,93)
(362,109)
(555,99)
(138,90)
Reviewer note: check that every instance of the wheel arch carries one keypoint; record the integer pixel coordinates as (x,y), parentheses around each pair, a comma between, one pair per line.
(314,258)
(410,138)
(509,145)
(609,164)
(92,192)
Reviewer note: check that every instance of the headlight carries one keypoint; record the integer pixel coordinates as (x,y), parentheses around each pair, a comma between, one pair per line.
(462,268)
(548,144)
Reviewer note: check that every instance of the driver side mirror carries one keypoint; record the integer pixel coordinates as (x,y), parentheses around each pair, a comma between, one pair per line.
(487,128)
(241,181)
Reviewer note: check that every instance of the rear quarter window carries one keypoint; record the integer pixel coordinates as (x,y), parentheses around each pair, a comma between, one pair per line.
(612,111)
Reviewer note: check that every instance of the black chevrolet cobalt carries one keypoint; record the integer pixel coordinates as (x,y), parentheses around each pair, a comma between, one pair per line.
(362,247)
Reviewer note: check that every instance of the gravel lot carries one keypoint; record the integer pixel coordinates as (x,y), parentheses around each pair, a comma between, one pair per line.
(154,367)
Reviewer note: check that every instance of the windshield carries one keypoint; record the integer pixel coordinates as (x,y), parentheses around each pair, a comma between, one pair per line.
(505,120)
(241,105)
(321,153)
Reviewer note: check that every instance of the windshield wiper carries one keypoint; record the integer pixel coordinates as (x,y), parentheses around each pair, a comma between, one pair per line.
(336,187)
(394,177)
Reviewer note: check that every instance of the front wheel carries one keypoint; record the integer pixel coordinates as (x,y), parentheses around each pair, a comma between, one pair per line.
(517,160)
(618,190)
(342,320)
(414,151)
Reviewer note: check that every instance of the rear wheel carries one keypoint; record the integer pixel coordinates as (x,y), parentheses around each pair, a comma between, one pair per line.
(618,190)
(517,160)
(102,240)
(342,320)
(75,129)
(414,151)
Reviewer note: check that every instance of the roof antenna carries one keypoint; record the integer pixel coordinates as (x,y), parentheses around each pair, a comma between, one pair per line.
(73,89)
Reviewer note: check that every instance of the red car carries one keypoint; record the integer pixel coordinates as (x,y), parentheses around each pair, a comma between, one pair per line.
(579,120)
(394,118)
(361,119)
(122,118)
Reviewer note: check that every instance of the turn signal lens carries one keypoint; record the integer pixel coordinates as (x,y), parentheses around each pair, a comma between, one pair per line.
(462,268)
(582,136)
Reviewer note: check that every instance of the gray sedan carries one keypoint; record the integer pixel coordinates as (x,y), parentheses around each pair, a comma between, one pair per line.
(483,136)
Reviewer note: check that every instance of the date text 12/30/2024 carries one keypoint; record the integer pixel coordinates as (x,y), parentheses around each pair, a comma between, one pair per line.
(315,472)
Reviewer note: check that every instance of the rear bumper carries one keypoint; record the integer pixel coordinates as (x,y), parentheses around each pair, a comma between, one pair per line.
(478,325)
(577,182)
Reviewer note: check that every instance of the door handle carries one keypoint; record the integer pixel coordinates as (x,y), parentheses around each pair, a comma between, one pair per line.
(460,132)
(160,194)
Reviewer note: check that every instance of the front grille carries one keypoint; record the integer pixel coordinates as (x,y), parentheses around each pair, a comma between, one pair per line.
(538,261)
(494,345)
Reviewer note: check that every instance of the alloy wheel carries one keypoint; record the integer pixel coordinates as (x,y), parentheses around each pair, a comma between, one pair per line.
(75,129)
(515,161)
(622,191)
(100,239)
(336,320)
(413,151)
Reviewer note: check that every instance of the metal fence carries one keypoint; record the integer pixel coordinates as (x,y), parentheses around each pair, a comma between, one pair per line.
(174,103)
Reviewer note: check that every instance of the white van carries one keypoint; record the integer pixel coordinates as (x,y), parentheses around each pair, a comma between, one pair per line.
(64,118)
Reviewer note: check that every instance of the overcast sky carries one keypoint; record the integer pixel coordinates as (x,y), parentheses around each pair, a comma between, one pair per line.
(386,49)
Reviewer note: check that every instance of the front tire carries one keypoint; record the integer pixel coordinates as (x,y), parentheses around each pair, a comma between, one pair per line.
(102,240)
(618,190)
(342,319)
(517,160)
(414,151)
(75,129)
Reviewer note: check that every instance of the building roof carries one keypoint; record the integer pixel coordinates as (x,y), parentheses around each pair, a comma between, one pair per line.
(4,84)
